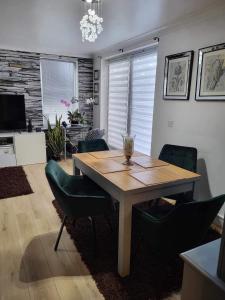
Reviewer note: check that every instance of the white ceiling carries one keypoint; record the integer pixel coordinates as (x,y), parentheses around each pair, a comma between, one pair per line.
(52,26)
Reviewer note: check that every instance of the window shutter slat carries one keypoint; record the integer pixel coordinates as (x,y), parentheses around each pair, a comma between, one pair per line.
(118,101)
(131,97)
(143,87)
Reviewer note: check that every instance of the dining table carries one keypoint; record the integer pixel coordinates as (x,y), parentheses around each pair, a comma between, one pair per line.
(146,179)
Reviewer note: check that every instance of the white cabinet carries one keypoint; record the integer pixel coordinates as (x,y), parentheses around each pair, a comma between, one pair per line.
(7,156)
(27,148)
(30,148)
(200,279)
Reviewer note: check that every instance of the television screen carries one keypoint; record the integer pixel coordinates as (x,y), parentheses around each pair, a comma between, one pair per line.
(12,112)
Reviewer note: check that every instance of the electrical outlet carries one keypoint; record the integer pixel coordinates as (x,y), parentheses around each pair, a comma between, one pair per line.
(170,124)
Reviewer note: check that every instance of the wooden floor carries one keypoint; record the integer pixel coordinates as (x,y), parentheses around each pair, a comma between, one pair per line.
(29,267)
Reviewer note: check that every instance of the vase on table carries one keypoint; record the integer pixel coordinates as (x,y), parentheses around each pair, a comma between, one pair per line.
(128,148)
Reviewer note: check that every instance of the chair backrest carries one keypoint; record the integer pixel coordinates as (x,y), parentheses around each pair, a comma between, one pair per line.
(57,179)
(181,156)
(92,145)
(186,226)
(94,134)
(56,176)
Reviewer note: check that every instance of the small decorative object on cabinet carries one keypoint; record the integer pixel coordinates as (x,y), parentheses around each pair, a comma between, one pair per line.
(30,126)
(128,148)
(177,76)
(211,73)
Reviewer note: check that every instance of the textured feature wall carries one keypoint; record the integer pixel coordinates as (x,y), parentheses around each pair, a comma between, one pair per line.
(85,86)
(20,74)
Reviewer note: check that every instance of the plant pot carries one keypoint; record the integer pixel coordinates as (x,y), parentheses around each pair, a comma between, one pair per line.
(74,122)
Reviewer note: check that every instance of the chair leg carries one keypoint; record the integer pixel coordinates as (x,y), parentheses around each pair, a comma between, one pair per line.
(137,247)
(74,222)
(60,233)
(94,234)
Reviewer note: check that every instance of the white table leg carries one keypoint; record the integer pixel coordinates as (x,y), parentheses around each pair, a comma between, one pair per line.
(124,248)
(76,171)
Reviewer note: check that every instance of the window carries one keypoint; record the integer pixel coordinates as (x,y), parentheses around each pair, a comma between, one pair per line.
(59,82)
(131,99)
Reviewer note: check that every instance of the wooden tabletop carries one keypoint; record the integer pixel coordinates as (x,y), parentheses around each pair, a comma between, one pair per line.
(145,173)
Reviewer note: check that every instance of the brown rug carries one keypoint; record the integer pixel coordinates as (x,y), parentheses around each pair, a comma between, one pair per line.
(13,182)
(150,278)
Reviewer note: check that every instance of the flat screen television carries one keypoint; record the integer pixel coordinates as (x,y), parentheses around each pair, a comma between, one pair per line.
(12,112)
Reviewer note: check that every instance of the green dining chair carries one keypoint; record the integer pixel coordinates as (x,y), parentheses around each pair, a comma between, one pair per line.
(90,146)
(77,196)
(183,157)
(182,229)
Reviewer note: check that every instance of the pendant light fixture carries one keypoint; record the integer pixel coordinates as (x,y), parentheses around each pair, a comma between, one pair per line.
(91,23)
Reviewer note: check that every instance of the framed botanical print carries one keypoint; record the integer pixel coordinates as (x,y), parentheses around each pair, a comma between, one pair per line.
(177,76)
(210,83)
(96,99)
(96,87)
(96,74)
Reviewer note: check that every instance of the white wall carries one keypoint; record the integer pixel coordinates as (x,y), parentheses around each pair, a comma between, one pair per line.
(50,27)
(197,124)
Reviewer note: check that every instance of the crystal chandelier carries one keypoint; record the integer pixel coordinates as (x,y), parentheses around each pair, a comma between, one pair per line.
(91,23)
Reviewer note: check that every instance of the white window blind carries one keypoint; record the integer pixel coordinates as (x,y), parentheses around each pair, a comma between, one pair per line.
(118,101)
(58,83)
(142,100)
(131,99)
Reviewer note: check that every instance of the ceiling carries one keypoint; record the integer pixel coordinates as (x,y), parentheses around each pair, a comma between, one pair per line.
(52,26)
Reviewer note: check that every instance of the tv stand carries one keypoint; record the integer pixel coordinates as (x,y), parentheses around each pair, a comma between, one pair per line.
(22,148)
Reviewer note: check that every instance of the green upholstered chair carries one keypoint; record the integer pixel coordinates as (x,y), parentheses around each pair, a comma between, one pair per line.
(77,196)
(90,146)
(184,157)
(183,228)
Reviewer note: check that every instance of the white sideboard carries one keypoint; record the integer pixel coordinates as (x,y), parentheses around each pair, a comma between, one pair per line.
(23,149)
(200,279)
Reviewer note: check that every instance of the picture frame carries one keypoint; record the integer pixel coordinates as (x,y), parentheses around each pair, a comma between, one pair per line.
(210,82)
(96,99)
(96,74)
(96,87)
(177,76)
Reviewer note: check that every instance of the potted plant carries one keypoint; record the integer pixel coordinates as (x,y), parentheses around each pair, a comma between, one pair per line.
(75,117)
(55,139)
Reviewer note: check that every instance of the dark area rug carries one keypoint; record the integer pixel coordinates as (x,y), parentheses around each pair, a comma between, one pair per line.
(150,277)
(13,182)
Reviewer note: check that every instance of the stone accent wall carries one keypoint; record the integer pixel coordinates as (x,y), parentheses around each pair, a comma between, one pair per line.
(85,76)
(20,74)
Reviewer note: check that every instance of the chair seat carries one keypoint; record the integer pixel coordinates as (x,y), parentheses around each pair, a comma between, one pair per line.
(82,186)
(156,211)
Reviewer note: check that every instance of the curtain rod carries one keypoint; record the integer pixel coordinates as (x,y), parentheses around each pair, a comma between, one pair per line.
(139,49)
